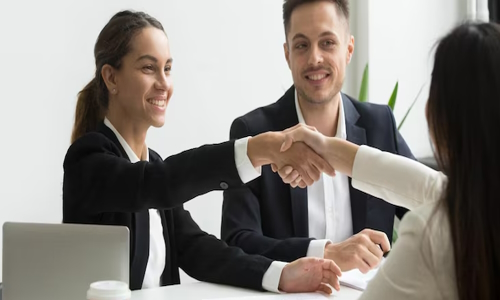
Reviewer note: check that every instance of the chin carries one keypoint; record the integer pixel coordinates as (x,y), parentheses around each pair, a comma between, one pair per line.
(158,123)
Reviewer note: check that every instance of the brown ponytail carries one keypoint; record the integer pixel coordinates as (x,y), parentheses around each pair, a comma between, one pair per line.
(88,111)
(112,45)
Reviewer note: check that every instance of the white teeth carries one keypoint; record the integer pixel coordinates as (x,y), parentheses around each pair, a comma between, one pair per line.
(317,76)
(159,103)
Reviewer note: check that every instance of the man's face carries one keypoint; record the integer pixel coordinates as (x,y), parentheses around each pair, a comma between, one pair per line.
(317,50)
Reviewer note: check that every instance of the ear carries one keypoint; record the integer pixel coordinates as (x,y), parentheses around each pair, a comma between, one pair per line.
(108,74)
(350,49)
(287,53)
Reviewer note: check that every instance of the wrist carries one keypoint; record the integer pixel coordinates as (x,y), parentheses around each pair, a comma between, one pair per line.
(330,251)
(262,149)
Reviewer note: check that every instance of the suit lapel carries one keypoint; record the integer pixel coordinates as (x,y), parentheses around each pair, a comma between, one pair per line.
(356,135)
(288,118)
(140,239)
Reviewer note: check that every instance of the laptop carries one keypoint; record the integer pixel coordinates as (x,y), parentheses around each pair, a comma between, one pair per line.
(60,261)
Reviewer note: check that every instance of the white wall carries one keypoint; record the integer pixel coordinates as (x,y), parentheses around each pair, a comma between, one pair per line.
(228,61)
(402,35)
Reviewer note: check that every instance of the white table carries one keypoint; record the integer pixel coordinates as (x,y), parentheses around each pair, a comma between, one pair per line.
(203,290)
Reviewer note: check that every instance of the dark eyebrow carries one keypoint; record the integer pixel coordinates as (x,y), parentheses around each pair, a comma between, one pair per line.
(298,36)
(327,33)
(323,34)
(152,58)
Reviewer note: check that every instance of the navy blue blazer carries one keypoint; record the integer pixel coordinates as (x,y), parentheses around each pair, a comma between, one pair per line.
(269,217)
(101,186)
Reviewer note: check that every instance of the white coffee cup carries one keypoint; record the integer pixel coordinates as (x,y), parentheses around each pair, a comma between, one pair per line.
(109,290)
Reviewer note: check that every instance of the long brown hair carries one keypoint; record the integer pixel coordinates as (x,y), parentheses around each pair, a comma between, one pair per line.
(464,118)
(112,45)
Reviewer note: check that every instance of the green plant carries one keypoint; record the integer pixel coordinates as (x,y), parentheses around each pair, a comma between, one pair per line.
(363,97)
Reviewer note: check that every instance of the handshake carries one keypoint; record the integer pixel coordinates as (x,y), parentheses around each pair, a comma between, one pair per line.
(300,154)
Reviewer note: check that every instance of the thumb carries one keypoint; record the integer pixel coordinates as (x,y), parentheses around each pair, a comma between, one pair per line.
(287,143)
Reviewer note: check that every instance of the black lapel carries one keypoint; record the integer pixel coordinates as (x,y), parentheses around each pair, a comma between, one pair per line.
(356,135)
(288,118)
(140,238)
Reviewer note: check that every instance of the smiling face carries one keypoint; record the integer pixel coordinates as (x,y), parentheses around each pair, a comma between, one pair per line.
(142,86)
(317,50)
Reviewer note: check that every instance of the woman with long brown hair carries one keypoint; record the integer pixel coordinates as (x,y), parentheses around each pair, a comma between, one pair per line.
(449,245)
(112,178)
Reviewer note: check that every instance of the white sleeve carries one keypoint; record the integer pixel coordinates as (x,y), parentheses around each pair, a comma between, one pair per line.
(243,164)
(396,179)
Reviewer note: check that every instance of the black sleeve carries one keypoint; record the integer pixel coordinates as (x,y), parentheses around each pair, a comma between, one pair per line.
(241,219)
(206,258)
(98,180)
(401,149)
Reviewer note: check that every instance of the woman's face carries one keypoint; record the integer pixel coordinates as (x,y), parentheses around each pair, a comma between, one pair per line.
(143,85)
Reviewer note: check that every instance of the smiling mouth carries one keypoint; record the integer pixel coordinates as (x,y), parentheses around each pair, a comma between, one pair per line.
(317,77)
(159,103)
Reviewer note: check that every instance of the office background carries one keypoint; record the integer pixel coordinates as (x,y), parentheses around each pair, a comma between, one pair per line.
(228,60)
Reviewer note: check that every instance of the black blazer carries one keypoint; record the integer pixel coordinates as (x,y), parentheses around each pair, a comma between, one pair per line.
(101,186)
(270,218)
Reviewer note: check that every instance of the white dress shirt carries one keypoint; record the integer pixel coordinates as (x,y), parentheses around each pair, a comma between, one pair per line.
(157,250)
(421,263)
(328,200)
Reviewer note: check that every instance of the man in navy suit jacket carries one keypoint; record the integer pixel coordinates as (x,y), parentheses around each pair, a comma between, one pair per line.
(330,218)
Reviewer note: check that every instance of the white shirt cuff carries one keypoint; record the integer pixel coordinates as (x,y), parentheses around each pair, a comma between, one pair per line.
(243,164)
(317,248)
(271,279)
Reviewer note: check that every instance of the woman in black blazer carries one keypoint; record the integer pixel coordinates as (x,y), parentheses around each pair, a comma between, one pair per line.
(112,178)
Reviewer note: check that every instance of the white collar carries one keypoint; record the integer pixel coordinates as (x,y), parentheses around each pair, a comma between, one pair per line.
(341,127)
(130,153)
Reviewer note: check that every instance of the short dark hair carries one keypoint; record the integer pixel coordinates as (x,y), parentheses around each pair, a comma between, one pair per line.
(290,5)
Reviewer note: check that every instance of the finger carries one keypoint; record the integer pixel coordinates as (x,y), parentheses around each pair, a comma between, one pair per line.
(330,265)
(330,278)
(287,143)
(302,184)
(293,128)
(379,238)
(297,181)
(285,173)
(322,165)
(375,250)
(274,167)
(367,260)
(325,289)
(291,177)
(311,127)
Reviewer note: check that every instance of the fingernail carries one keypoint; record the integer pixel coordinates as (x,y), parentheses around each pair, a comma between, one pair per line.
(282,147)
(288,171)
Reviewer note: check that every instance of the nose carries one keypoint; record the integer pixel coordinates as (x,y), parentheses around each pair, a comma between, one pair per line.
(162,82)
(315,56)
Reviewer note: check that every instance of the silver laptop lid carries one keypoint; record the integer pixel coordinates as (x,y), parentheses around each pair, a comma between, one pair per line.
(59,261)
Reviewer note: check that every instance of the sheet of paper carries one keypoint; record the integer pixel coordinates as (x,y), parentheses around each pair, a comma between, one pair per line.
(301,296)
(357,280)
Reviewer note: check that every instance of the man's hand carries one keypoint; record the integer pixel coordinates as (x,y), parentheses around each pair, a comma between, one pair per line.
(361,251)
(309,274)
(306,164)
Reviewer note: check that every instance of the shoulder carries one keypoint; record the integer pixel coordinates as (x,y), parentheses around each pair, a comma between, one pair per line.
(88,145)
(153,155)
(368,110)
(259,119)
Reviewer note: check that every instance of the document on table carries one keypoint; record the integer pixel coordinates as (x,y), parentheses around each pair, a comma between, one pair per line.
(357,280)
(299,296)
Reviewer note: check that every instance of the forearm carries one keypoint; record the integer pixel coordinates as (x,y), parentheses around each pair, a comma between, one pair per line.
(340,154)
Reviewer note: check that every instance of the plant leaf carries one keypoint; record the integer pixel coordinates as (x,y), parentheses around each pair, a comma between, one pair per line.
(363,90)
(392,100)
(411,106)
